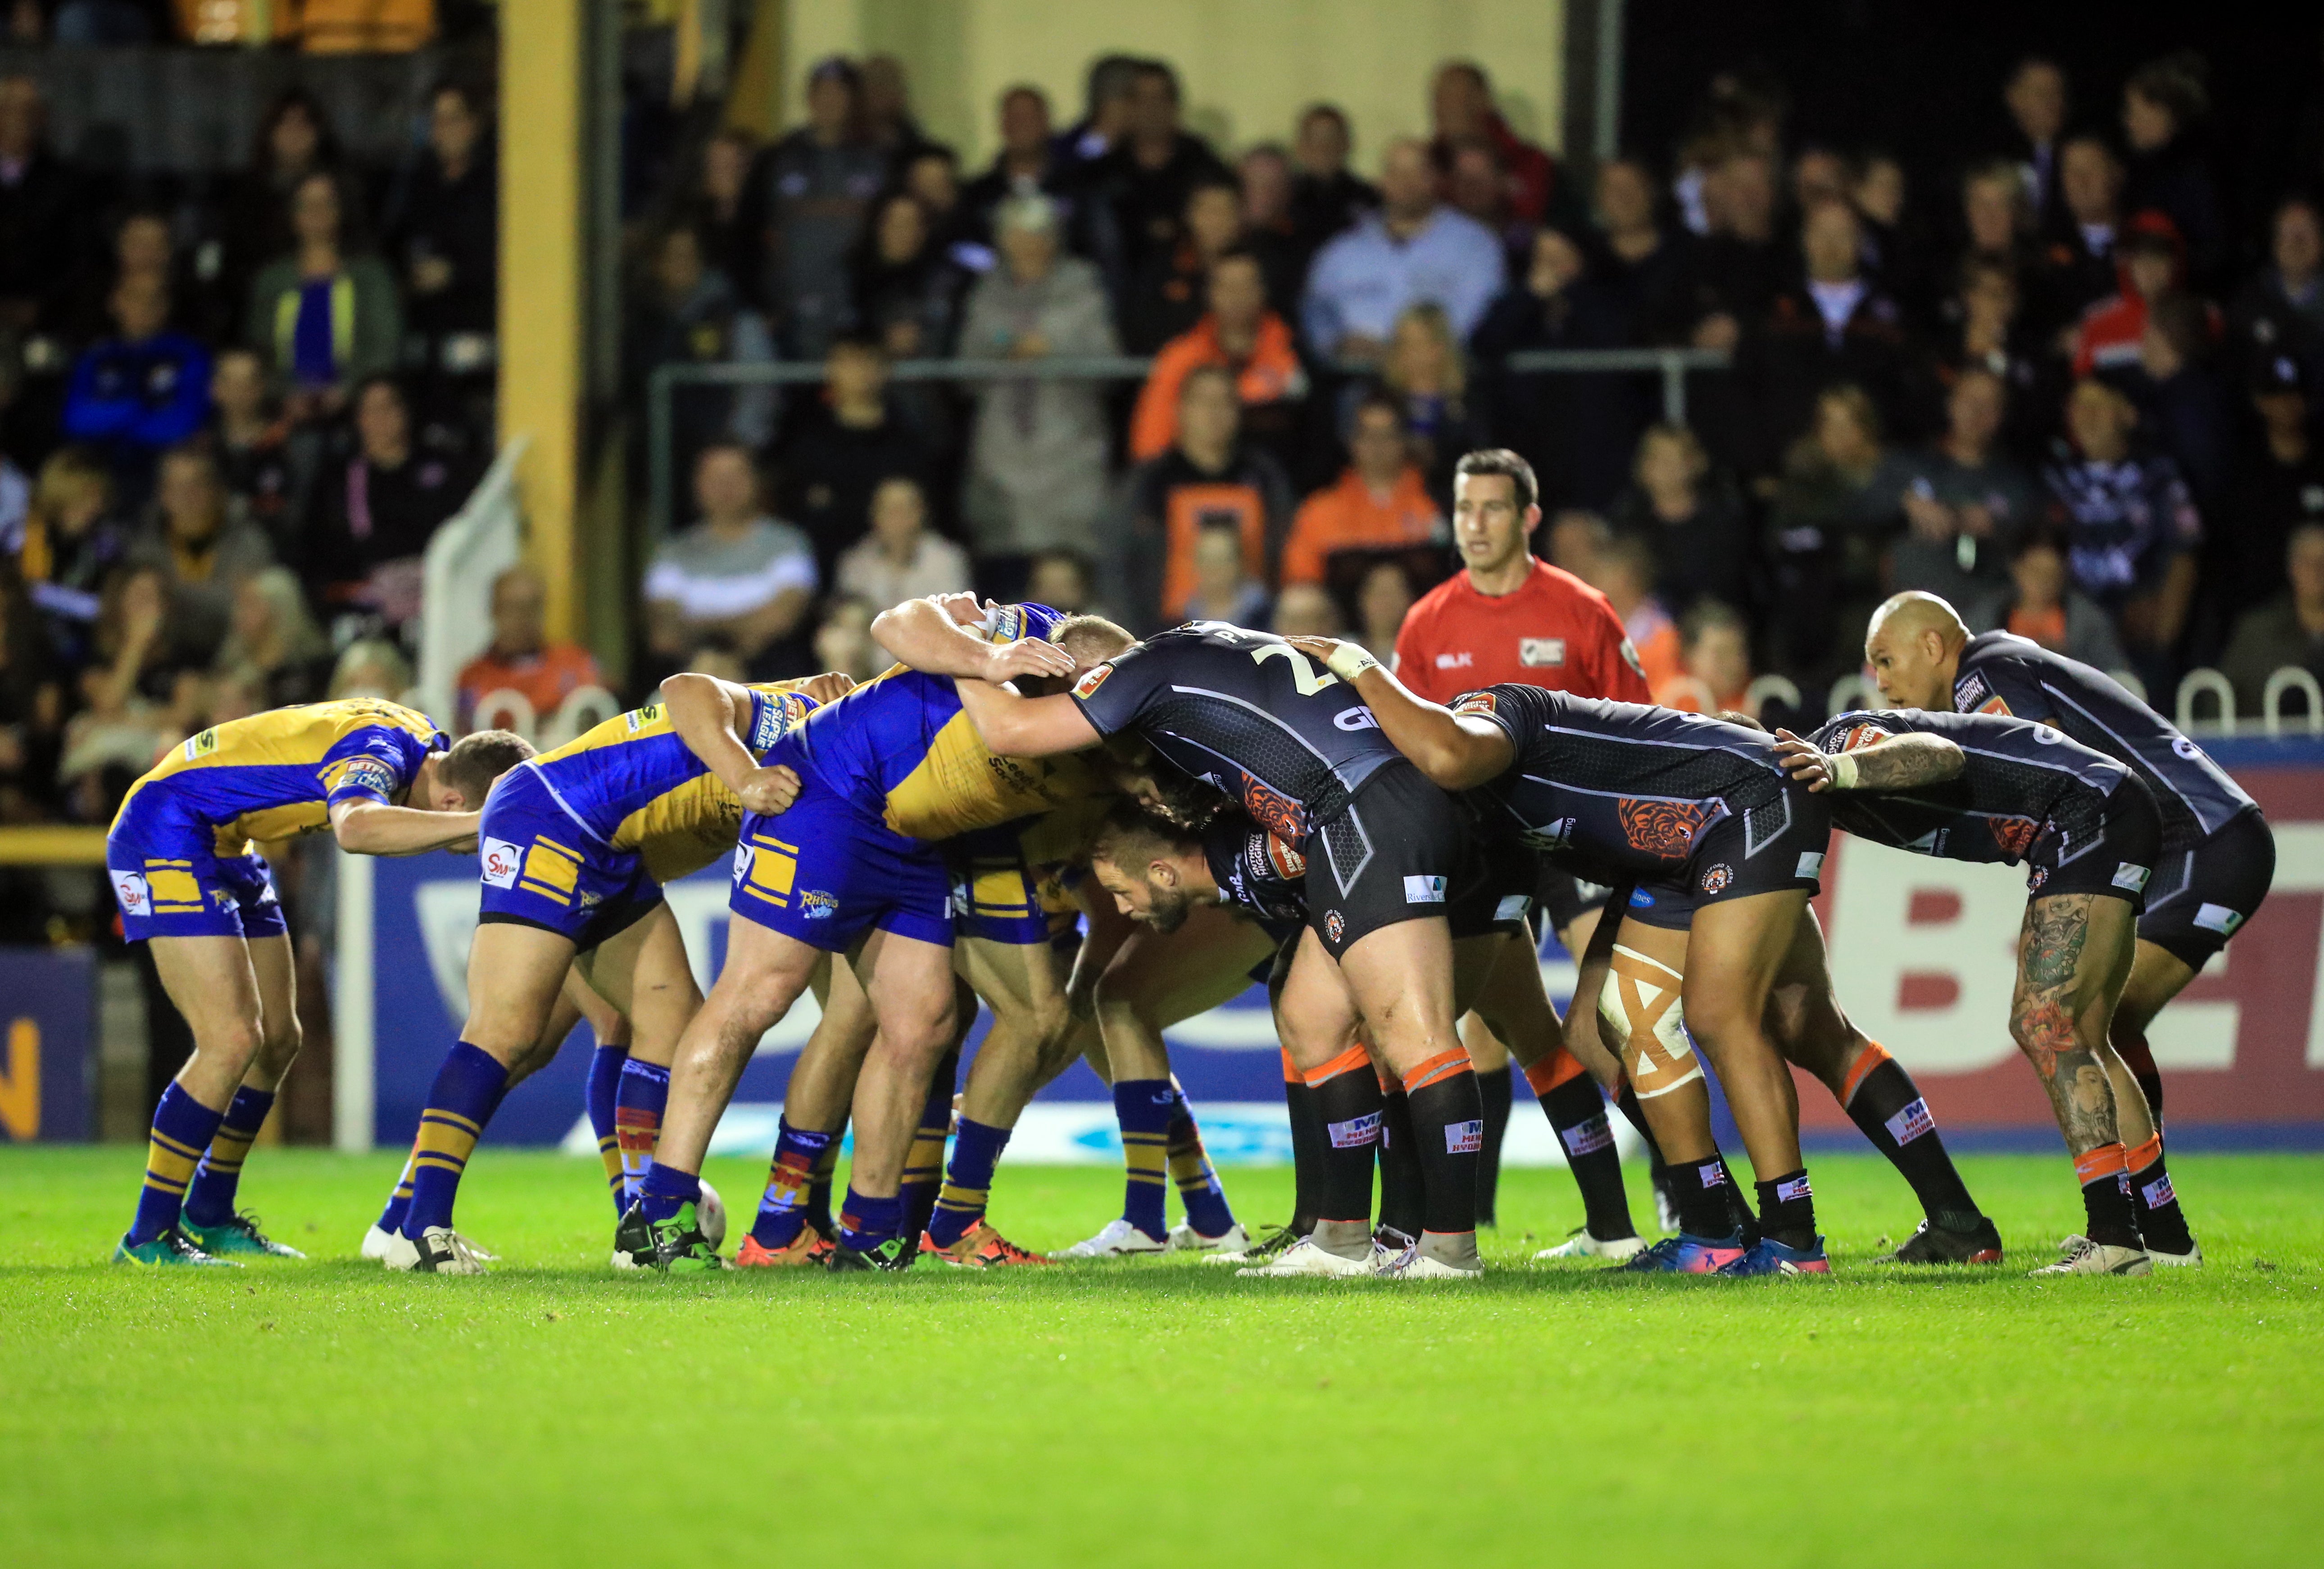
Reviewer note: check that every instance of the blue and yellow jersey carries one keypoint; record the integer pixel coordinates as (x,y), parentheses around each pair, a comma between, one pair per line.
(903,741)
(279,773)
(632,784)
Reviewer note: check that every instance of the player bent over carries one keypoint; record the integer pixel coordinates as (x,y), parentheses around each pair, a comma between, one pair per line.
(1726,851)
(1249,714)
(1971,787)
(379,777)
(574,847)
(2218,857)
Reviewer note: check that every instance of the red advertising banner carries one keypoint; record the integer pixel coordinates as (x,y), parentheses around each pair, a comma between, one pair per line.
(1924,955)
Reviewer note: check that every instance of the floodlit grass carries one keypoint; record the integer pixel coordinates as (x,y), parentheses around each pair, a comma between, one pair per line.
(1150,1413)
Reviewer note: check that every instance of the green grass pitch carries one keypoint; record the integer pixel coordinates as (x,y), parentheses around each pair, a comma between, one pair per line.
(1150,1413)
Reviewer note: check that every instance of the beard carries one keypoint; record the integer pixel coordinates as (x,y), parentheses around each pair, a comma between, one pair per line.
(1167,908)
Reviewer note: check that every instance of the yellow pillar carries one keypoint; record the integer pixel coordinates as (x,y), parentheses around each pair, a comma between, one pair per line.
(543,231)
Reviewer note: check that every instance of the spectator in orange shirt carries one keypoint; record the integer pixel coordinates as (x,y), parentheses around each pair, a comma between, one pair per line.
(1210,477)
(1380,501)
(521,658)
(1624,572)
(1239,333)
(1718,673)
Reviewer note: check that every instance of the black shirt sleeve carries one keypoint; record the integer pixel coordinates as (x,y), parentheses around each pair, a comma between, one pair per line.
(1112,695)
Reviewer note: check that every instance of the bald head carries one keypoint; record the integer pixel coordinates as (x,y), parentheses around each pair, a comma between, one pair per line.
(1913,648)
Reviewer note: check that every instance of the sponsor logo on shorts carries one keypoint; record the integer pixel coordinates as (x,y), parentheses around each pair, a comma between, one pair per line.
(129,888)
(591,899)
(1717,878)
(1354,719)
(1464,1138)
(1641,899)
(1588,1138)
(1423,890)
(2219,917)
(1911,1122)
(2131,877)
(1967,693)
(1333,924)
(1355,1132)
(2040,875)
(2159,1192)
(1811,865)
(1460,661)
(742,861)
(1541,652)
(815,904)
(498,861)
(1088,685)
(1793,1188)
(1553,835)
(1512,907)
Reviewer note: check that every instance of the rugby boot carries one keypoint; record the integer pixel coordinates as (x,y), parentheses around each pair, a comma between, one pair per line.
(806,1250)
(237,1233)
(981,1248)
(1580,1244)
(890,1255)
(1769,1256)
(1934,1244)
(171,1247)
(1687,1254)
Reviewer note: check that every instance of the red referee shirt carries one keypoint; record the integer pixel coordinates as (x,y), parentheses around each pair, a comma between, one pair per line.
(1555,631)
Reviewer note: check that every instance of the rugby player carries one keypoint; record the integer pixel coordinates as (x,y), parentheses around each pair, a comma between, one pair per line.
(1508,616)
(1725,850)
(574,848)
(380,778)
(2218,856)
(835,876)
(1159,872)
(1977,787)
(1247,714)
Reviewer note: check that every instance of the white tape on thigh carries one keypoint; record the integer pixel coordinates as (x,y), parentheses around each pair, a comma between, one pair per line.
(1642,997)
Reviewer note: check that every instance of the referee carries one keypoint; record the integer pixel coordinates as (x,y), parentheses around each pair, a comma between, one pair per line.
(1510,616)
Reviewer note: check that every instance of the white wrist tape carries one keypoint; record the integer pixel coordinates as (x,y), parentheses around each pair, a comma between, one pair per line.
(1349,660)
(1842,770)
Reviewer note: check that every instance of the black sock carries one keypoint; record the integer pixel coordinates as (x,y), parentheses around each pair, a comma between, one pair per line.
(1348,1104)
(1498,1095)
(1887,1107)
(1703,1190)
(1307,1142)
(2108,1213)
(1738,1208)
(1404,1183)
(2162,1224)
(1578,1111)
(1628,1103)
(2150,1085)
(1447,1121)
(1787,1210)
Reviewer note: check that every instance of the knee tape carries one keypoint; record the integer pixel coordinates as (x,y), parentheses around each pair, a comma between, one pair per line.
(1641,1000)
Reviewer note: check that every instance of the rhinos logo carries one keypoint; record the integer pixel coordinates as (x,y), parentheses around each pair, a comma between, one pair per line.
(1715,881)
(1273,810)
(1662,827)
(815,904)
(2015,836)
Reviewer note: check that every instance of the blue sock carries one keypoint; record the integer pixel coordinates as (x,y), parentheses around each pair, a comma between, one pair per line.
(665,1190)
(638,1105)
(182,1128)
(209,1202)
(399,1202)
(1144,1107)
(782,1207)
(1190,1168)
(466,1092)
(866,1223)
(968,1180)
(605,1080)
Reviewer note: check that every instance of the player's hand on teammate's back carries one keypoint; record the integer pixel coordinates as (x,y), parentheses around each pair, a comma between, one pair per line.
(1027,656)
(768,791)
(828,688)
(1802,761)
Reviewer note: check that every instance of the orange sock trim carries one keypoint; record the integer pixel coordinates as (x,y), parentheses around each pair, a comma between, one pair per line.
(1291,1073)
(1560,1066)
(1873,1055)
(1437,1068)
(1347,1062)
(2145,1155)
(2106,1161)
(1388,1083)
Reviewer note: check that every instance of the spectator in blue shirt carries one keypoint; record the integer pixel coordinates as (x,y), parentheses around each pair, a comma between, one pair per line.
(145,389)
(1413,250)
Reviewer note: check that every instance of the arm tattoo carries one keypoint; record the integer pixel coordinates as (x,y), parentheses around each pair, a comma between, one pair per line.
(1907,761)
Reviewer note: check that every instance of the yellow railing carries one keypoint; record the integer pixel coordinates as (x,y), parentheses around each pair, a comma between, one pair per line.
(52,844)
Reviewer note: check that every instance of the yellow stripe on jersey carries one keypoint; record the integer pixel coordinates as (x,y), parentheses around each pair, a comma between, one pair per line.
(960,784)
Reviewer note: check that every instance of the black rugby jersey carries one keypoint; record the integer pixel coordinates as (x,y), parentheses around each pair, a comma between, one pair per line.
(2019,780)
(1614,790)
(2002,673)
(1246,713)
(1257,872)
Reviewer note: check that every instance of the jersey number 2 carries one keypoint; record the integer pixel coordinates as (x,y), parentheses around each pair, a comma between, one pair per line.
(1303,675)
